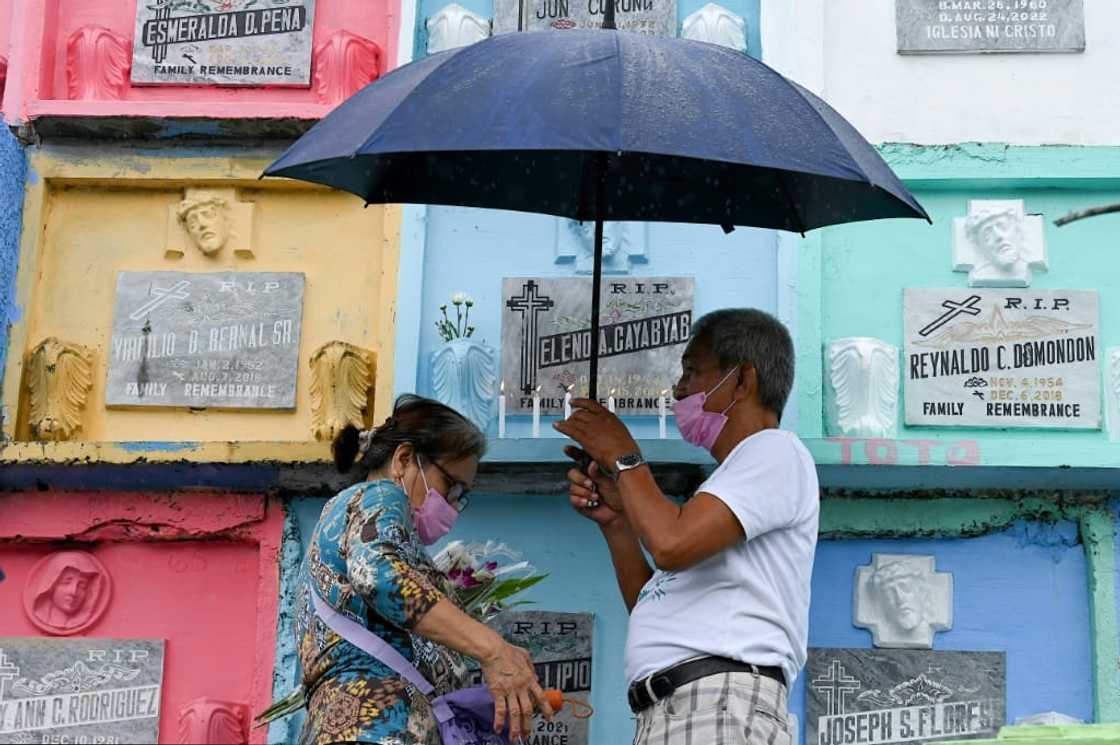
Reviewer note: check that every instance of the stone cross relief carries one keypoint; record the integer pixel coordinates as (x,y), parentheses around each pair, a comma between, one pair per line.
(210,220)
(902,600)
(998,244)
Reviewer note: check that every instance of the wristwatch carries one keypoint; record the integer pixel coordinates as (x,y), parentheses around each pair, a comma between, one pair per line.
(627,463)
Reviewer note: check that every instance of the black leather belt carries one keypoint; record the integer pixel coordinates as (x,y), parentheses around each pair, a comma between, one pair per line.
(646,692)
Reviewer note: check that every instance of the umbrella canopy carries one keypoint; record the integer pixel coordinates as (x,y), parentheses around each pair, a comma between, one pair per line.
(601,125)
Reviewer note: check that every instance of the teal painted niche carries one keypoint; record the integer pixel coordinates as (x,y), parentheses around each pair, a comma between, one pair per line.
(863,268)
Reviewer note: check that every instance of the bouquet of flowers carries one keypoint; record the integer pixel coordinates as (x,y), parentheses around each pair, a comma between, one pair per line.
(484,585)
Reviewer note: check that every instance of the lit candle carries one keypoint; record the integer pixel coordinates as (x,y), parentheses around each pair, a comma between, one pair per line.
(502,410)
(610,401)
(661,414)
(568,401)
(537,412)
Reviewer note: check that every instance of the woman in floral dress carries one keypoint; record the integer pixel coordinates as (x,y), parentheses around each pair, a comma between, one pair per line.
(367,560)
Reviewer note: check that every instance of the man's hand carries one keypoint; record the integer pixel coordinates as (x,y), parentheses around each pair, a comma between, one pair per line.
(594,494)
(601,434)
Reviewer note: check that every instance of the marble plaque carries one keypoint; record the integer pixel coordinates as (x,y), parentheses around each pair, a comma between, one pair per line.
(977,26)
(654,17)
(223,42)
(224,340)
(880,697)
(546,340)
(1002,358)
(80,690)
(560,644)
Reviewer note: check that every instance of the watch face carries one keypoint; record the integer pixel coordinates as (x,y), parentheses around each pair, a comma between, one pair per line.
(631,460)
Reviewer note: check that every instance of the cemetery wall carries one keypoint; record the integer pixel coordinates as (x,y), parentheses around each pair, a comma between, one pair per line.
(958,129)
(1021,519)
(847,49)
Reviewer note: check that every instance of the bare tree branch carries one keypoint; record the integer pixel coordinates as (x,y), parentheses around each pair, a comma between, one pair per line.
(1091,212)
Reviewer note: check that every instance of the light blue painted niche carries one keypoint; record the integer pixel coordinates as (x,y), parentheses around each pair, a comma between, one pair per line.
(556,540)
(472,250)
(1023,591)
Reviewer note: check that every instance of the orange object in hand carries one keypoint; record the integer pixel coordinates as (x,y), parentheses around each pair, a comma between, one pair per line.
(556,699)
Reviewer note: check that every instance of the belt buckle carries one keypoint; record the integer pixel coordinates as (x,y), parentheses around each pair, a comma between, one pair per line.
(649,690)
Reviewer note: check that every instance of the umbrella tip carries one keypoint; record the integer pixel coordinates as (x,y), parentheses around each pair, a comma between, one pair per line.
(727,229)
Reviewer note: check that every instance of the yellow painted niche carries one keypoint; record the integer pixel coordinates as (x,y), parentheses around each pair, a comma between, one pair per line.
(86,218)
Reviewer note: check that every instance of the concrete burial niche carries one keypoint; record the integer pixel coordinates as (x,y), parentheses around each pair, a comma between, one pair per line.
(84,61)
(179,299)
(171,598)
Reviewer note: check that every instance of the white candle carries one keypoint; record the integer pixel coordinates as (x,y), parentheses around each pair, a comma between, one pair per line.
(661,413)
(537,412)
(610,401)
(568,401)
(502,410)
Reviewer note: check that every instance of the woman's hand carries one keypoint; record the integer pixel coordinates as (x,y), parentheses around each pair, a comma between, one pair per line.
(509,674)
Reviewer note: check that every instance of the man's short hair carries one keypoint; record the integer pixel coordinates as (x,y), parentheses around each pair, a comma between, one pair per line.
(740,335)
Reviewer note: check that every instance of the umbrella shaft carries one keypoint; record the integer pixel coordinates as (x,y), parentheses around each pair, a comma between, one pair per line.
(596,291)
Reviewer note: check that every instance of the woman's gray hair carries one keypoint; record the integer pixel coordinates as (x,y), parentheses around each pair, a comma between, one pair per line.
(433,429)
(740,335)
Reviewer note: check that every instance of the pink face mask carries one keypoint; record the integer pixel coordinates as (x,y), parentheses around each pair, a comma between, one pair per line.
(435,517)
(697,426)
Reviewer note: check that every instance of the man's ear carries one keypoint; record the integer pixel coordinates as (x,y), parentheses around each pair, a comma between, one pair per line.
(747,387)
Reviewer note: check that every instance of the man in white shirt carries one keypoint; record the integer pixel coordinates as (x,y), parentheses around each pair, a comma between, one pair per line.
(718,632)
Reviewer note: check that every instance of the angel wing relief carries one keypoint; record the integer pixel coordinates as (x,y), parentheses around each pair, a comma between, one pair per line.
(465,377)
(863,387)
(59,379)
(342,377)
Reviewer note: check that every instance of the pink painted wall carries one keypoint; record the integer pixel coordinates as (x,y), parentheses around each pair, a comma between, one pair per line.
(198,570)
(41,28)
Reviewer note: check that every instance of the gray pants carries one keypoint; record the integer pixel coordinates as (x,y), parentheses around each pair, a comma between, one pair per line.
(721,709)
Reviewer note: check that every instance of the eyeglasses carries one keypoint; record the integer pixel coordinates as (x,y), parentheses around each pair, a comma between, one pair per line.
(457,494)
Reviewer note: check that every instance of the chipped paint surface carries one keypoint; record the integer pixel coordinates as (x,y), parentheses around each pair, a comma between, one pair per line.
(13,167)
(187,567)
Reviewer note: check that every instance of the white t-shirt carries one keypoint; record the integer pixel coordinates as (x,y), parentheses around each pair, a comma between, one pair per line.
(750,602)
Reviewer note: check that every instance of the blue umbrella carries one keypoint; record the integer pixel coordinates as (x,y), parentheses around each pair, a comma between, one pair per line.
(601,125)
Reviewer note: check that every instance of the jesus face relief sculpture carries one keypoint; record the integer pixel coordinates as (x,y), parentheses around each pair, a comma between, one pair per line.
(999,237)
(903,601)
(206,222)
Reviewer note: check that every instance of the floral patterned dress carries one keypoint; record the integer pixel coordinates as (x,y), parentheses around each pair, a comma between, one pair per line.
(366,560)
